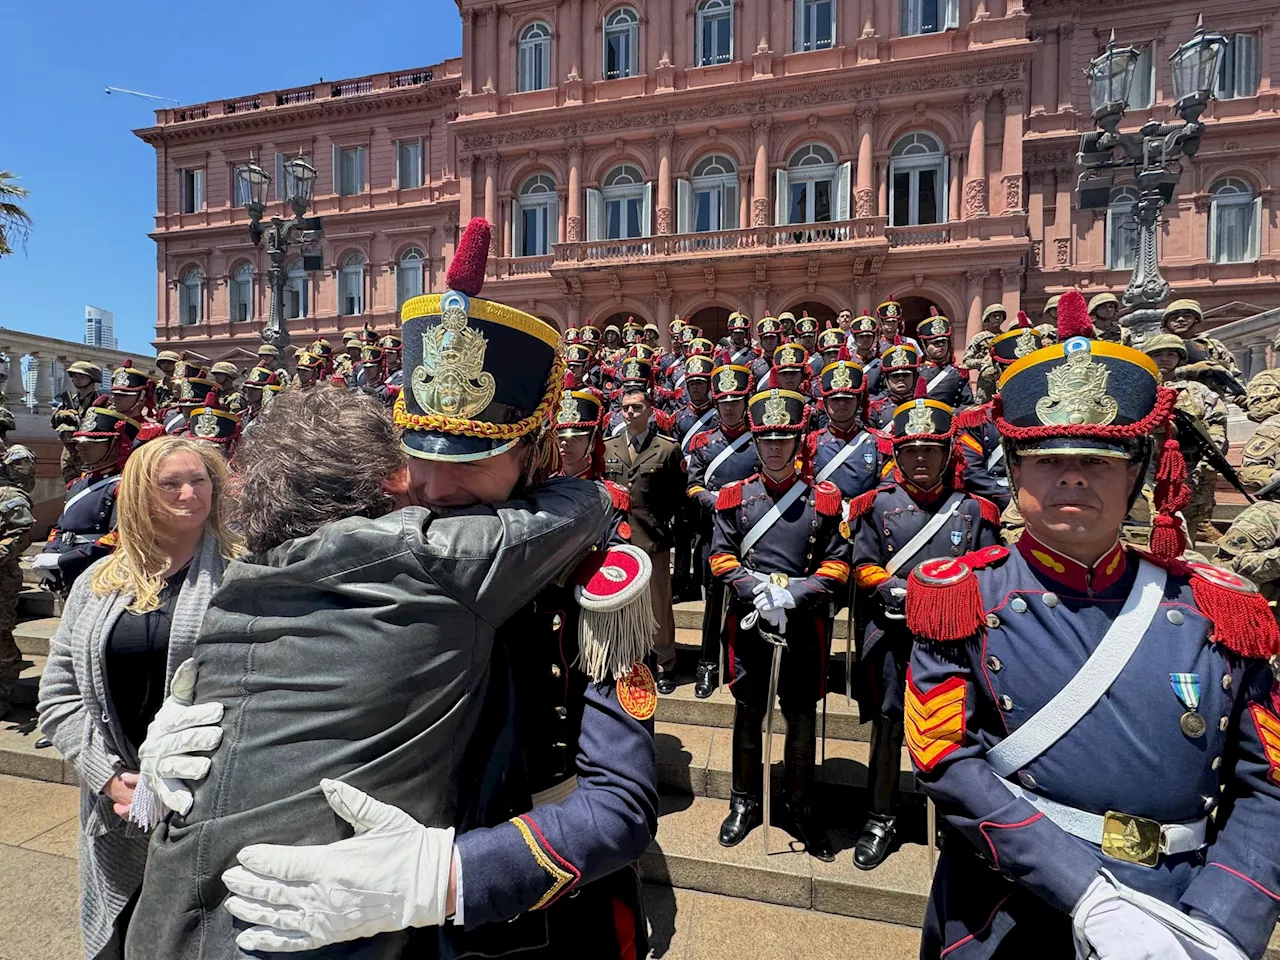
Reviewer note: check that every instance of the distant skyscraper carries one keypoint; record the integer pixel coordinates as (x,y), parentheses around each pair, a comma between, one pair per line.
(99,327)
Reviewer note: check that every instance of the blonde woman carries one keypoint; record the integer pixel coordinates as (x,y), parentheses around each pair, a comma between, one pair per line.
(129,621)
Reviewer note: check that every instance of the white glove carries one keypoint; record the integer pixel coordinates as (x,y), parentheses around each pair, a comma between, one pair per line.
(179,731)
(1224,949)
(773,597)
(1107,925)
(44,560)
(393,874)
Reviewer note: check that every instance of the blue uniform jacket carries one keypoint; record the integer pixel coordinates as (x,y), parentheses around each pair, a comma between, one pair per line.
(1041,616)
(949,385)
(860,470)
(85,531)
(703,450)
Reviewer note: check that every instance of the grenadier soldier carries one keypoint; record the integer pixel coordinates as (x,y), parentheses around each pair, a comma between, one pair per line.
(215,425)
(740,352)
(943,380)
(225,374)
(889,315)
(577,360)
(16,523)
(167,363)
(369,375)
(133,395)
(671,372)
(807,333)
(844,451)
(254,389)
(864,338)
(696,415)
(1104,310)
(769,336)
(392,351)
(676,351)
(65,424)
(1096,724)
(790,370)
(678,372)
(1208,359)
(717,456)
(632,332)
(830,342)
(85,531)
(311,369)
(921,514)
(633,372)
(1260,459)
(188,394)
(570,336)
(899,373)
(778,549)
(86,383)
(344,360)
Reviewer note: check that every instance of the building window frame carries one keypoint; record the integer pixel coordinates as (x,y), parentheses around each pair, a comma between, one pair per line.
(1238,70)
(1122,230)
(350,170)
(351,292)
(191,197)
(919,17)
(714,37)
(1235,221)
(815,25)
(621,44)
(1142,91)
(906,160)
(533,58)
(410,275)
(708,201)
(410,168)
(240,293)
(535,217)
(191,298)
(626,200)
(297,293)
(807,189)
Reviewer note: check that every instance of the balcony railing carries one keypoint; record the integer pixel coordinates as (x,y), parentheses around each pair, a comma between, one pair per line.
(351,88)
(922,235)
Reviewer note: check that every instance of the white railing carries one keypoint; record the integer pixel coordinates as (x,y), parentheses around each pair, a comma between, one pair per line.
(351,88)
(923,235)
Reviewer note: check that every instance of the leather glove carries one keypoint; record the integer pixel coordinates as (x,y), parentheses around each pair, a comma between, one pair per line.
(179,732)
(393,874)
(1109,926)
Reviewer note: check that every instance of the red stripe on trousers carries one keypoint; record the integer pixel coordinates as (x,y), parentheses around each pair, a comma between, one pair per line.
(624,924)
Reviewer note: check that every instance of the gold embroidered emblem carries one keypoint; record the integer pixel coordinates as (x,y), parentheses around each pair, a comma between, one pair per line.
(1026,343)
(840,377)
(90,422)
(728,381)
(938,327)
(1078,393)
(631,370)
(919,420)
(121,378)
(899,358)
(451,379)
(568,410)
(206,425)
(775,411)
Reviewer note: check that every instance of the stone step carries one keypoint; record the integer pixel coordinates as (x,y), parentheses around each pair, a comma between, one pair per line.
(27,691)
(698,760)
(33,636)
(688,616)
(36,603)
(19,756)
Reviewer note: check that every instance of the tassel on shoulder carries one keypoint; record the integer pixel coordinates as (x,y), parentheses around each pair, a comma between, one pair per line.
(1243,621)
(862,503)
(944,600)
(730,496)
(990,512)
(621,496)
(699,440)
(827,500)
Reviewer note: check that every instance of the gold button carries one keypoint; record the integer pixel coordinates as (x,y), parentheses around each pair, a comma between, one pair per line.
(992,621)
(555,622)
(555,670)
(994,664)
(562,712)
(1006,703)
(1226,681)
(1222,724)
(1217,762)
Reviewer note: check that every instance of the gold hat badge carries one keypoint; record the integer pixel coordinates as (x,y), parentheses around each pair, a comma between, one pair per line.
(775,411)
(206,424)
(841,378)
(919,420)
(728,382)
(1078,391)
(568,410)
(451,379)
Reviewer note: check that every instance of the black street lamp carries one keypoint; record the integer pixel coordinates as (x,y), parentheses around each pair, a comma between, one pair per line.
(299,180)
(1153,154)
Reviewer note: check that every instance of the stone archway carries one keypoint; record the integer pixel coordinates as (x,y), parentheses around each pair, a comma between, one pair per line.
(816,309)
(915,309)
(714,322)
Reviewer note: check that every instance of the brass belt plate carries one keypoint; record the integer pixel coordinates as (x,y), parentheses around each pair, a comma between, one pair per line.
(1132,839)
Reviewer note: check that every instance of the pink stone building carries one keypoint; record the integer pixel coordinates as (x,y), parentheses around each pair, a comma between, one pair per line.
(650,158)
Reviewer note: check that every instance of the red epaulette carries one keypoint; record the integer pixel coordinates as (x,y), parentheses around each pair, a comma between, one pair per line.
(884,444)
(811,443)
(621,498)
(700,439)
(827,500)
(730,496)
(665,421)
(862,503)
(973,417)
(944,601)
(990,512)
(393,390)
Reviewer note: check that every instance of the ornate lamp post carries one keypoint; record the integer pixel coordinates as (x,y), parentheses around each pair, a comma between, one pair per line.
(1153,153)
(299,178)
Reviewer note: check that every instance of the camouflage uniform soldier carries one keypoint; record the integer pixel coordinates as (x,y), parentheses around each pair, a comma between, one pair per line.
(1251,547)
(1105,311)
(225,375)
(1261,458)
(1208,359)
(16,521)
(65,424)
(977,355)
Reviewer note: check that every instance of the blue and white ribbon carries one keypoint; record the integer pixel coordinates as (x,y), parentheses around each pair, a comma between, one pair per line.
(1186,687)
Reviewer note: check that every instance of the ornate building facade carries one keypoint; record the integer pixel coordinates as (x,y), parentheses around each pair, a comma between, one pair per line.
(650,158)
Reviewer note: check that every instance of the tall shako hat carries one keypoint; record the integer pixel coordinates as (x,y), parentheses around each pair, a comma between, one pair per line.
(636,372)
(901,356)
(193,391)
(699,346)
(891,309)
(832,338)
(632,332)
(791,356)
(806,324)
(777,414)
(102,423)
(129,379)
(843,378)
(864,324)
(481,375)
(689,333)
(588,334)
(739,321)
(368,337)
(730,380)
(571,335)
(310,361)
(578,413)
(391,343)
(369,354)
(213,424)
(676,325)
(699,367)
(923,421)
(1013,345)
(577,353)
(641,350)
(934,327)
(769,325)
(258,378)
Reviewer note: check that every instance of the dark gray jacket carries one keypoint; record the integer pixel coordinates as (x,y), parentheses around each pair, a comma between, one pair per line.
(360,652)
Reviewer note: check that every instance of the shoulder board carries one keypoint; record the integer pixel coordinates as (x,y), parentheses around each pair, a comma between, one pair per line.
(14,503)
(621,498)
(944,601)
(863,502)
(973,417)
(990,512)
(884,445)
(699,440)
(1243,621)
(730,496)
(970,441)
(827,500)
(668,438)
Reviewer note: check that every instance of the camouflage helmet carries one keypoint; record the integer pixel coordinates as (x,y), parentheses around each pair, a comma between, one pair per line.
(20,464)
(7,422)
(1262,398)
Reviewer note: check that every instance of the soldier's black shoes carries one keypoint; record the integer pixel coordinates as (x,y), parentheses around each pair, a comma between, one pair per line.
(708,678)
(806,828)
(744,816)
(875,841)
(666,682)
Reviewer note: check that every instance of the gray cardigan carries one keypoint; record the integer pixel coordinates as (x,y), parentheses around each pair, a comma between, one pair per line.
(75,713)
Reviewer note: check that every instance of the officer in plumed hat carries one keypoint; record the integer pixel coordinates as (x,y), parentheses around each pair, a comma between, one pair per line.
(1096,724)
(889,315)
(777,548)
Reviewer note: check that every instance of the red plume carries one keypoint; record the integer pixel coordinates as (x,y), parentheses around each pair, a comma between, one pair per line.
(211,399)
(773,379)
(1023,319)
(922,388)
(466,271)
(1171,495)
(897,339)
(844,353)
(1073,317)
(933,311)
(866,312)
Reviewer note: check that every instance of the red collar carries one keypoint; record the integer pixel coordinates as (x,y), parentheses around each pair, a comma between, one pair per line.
(1072,574)
(588,474)
(775,488)
(918,493)
(841,435)
(733,433)
(693,409)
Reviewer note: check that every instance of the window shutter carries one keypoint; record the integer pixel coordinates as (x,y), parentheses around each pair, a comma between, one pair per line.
(952,19)
(684,206)
(1255,235)
(1246,64)
(595,214)
(280,190)
(337,169)
(843,185)
(782,199)
(646,211)
(1214,245)
(361,154)
(800,10)
(517,229)
(197,180)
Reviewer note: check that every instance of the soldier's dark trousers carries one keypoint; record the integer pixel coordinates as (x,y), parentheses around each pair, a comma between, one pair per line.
(748,751)
(886,754)
(686,570)
(711,619)
(800,754)
(10,658)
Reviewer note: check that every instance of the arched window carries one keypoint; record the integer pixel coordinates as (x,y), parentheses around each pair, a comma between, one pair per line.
(297,301)
(351,286)
(715,32)
(929,16)
(1235,222)
(815,24)
(1122,230)
(409,276)
(813,189)
(191,297)
(917,181)
(621,43)
(535,57)
(708,200)
(242,293)
(536,217)
(623,204)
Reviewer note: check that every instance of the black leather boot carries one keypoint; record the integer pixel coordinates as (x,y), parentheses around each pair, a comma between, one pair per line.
(878,833)
(799,781)
(875,841)
(745,808)
(709,657)
(708,678)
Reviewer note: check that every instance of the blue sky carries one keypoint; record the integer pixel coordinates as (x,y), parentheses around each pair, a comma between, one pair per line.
(92,181)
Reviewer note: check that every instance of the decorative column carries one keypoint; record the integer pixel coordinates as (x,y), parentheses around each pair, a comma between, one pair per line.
(862,287)
(575,41)
(1011,161)
(562,207)
(759,299)
(45,388)
(864,194)
(884,18)
(1062,218)
(468,51)
(744,201)
(505,209)
(760,187)
(491,28)
(1035,218)
(574,224)
(574,302)
(974,280)
(665,218)
(663,319)
(1010,290)
(975,187)
(1065,76)
(491,188)
(882,189)
(1046,74)
(954,188)
(466,187)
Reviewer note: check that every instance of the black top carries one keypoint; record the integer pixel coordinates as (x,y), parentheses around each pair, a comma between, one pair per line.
(137,657)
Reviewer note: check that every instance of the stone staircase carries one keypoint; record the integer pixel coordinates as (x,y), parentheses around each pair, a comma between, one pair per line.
(826,906)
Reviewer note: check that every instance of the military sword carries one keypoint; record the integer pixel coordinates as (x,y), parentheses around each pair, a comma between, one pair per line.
(779,643)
